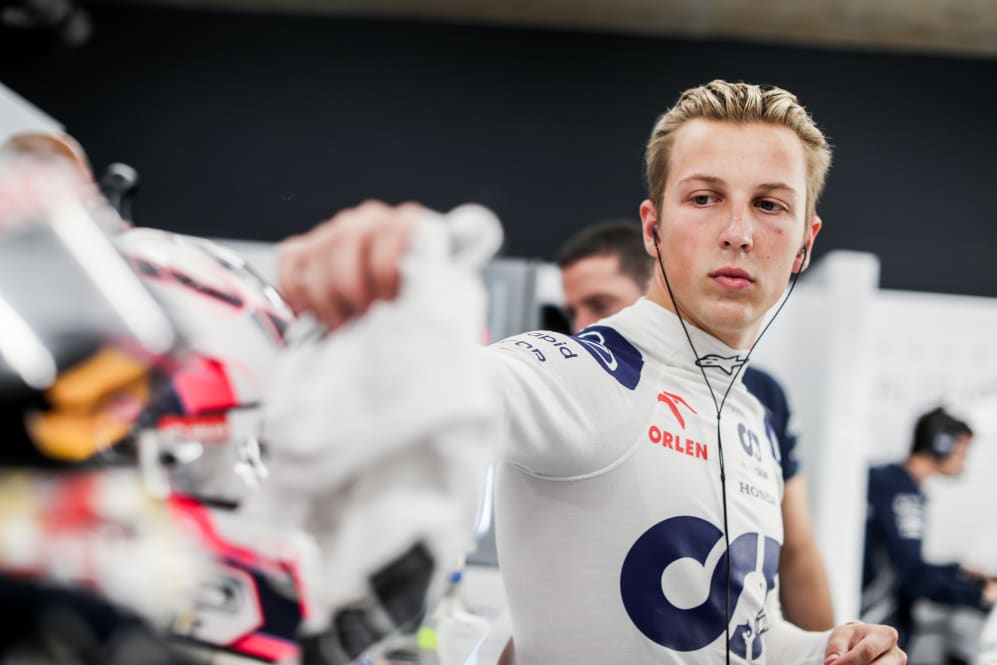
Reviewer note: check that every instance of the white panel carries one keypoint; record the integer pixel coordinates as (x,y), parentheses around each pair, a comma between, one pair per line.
(818,349)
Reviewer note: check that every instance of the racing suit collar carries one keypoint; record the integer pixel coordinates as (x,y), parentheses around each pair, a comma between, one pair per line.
(661,335)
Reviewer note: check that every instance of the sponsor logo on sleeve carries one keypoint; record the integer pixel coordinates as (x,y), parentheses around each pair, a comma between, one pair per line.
(613,353)
(551,345)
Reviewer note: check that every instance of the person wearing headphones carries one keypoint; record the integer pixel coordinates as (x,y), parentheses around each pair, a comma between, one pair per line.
(895,574)
(638,509)
(604,268)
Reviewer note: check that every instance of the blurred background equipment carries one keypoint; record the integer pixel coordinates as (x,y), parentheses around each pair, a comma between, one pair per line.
(61,22)
(119,184)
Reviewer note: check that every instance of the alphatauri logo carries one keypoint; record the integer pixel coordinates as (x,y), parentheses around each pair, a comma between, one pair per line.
(680,573)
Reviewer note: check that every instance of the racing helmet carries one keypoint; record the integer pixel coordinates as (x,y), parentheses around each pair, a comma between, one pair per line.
(200,438)
(83,342)
(83,349)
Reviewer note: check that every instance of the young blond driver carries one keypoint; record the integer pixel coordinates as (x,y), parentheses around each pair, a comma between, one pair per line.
(638,506)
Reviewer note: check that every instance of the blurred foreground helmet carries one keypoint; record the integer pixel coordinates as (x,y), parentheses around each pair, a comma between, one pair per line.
(83,343)
(88,563)
(146,348)
(109,370)
(205,430)
(198,444)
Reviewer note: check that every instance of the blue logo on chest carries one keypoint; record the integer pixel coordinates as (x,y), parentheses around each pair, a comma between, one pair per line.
(669,619)
(614,353)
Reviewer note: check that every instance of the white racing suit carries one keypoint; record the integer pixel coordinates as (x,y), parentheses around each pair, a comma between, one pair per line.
(609,512)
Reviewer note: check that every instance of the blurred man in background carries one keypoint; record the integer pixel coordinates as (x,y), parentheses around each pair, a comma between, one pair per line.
(605,268)
(895,574)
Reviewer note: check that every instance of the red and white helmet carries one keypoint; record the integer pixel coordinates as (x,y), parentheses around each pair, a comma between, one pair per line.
(198,445)
(232,323)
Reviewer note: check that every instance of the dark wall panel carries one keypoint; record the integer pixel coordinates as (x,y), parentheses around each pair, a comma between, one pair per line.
(257,126)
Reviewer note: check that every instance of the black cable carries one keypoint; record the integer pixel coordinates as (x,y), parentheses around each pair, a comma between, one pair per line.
(719,408)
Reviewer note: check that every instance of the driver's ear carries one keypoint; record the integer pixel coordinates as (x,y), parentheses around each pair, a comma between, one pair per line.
(649,226)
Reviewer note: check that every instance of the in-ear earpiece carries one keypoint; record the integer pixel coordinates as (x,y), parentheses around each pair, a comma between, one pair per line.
(654,234)
(803,259)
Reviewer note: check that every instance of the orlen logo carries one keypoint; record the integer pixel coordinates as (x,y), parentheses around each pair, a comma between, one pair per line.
(616,355)
(674,441)
(675,574)
(673,400)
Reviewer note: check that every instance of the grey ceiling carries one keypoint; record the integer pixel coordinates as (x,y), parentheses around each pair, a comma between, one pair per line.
(966,27)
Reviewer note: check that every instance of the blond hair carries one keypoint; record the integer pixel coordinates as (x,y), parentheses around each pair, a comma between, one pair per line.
(741,103)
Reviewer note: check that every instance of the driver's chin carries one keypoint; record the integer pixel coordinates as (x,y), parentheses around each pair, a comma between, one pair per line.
(731,322)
